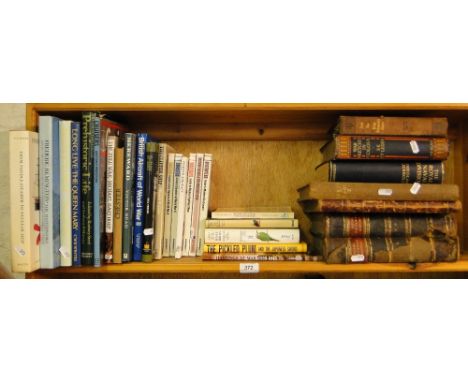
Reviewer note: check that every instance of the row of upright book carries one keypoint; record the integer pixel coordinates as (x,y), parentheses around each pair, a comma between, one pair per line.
(382,196)
(92,192)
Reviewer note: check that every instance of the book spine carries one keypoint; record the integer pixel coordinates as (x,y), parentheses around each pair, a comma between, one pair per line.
(249,235)
(87,242)
(179,233)
(168,205)
(255,248)
(118,205)
(386,172)
(251,215)
(76,192)
(148,231)
(139,222)
(255,257)
(390,250)
(129,184)
(97,261)
(189,204)
(387,226)
(205,200)
(175,203)
(65,194)
(24,200)
(49,175)
(196,204)
(390,148)
(435,127)
(154,201)
(110,184)
(251,223)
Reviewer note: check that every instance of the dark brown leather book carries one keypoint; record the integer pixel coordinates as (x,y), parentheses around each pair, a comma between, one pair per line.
(379,206)
(379,125)
(385,148)
(388,250)
(378,191)
(343,225)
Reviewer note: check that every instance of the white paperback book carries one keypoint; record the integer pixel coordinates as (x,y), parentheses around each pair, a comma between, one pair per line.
(179,234)
(168,205)
(251,235)
(189,204)
(205,200)
(196,205)
(175,203)
(65,194)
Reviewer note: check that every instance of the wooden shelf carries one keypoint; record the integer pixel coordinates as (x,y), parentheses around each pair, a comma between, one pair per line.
(197,266)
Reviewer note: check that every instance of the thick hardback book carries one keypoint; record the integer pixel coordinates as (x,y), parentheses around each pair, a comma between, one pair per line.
(381,171)
(386,148)
(253,213)
(256,256)
(379,191)
(158,241)
(99,139)
(118,205)
(339,225)
(166,250)
(112,143)
(140,173)
(251,223)
(205,200)
(255,248)
(49,191)
(149,219)
(179,207)
(24,200)
(380,206)
(196,204)
(87,186)
(76,192)
(189,203)
(251,235)
(388,250)
(128,199)
(65,194)
(380,125)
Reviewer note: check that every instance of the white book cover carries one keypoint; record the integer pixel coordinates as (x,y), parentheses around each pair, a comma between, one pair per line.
(251,235)
(159,210)
(24,200)
(175,203)
(65,194)
(253,213)
(251,223)
(189,204)
(168,205)
(205,200)
(196,204)
(181,208)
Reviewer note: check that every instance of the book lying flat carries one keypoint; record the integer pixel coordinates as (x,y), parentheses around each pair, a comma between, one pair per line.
(256,256)
(251,235)
(253,213)
(252,223)
(255,248)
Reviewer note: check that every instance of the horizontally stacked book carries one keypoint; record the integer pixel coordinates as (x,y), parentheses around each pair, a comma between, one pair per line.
(106,195)
(366,216)
(254,234)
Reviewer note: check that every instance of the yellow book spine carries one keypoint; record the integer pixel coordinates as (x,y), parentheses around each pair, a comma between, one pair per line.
(256,248)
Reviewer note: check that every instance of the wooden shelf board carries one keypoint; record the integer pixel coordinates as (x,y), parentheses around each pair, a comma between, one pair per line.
(196,265)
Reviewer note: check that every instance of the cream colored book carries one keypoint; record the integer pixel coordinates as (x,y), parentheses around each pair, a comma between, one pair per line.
(197,192)
(204,200)
(24,200)
(251,235)
(166,250)
(253,213)
(179,233)
(189,204)
(175,203)
(251,223)
(65,194)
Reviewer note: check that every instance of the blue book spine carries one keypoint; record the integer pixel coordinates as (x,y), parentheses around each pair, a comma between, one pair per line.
(76,191)
(139,222)
(96,191)
(49,192)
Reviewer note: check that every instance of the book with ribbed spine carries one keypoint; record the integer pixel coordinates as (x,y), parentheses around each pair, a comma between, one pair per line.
(49,191)
(251,235)
(87,194)
(342,225)
(256,257)
(189,203)
(166,250)
(140,173)
(65,194)
(118,205)
(196,204)
(180,209)
(128,199)
(150,199)
(112,144)
(24,200)
(284,212)
(76,192)
(388,250)
(205,200)
(160,208)
(251,223)
(255,248)
(381,171)
(385,148)
(380,125)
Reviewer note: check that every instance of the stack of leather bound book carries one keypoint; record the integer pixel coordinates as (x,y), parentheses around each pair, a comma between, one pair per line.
(383,199)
